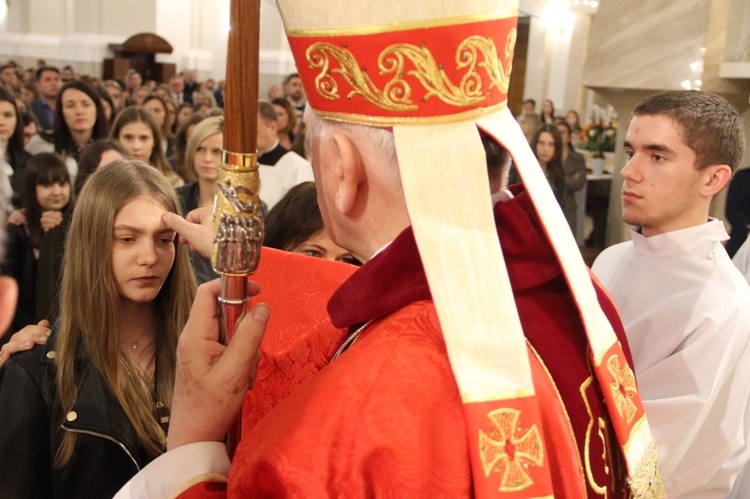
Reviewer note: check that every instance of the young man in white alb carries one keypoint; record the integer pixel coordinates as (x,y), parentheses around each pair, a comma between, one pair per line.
(685,307)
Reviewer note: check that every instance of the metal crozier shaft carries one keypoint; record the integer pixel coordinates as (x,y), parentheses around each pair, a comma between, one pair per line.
(238,229)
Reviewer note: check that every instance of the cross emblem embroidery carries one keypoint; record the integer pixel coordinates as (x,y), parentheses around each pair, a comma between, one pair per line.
(509,450)
(623,387)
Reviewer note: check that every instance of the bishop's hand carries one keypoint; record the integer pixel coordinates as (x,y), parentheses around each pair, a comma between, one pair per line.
(212,379)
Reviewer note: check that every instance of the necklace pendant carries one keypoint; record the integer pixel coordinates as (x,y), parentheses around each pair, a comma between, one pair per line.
(134,345)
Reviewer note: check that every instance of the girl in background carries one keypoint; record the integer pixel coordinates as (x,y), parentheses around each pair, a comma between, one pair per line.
(47,195)
(136,129)
(547,146)
(159,109)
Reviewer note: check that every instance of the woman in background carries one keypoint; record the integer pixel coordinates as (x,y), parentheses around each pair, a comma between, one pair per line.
(547,146)
(548,112)
(159,109)
(286,117)
(183,169)
(13,157)
(295,224)
(108,105)
(136,129)
(203,152)
(529,122)
(574,172)
(79,121)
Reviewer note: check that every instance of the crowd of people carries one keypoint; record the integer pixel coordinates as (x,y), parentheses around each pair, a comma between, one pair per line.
(446,341)
(57,128)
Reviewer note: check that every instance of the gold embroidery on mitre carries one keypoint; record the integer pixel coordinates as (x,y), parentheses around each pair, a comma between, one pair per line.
(623,388)
(397,93)
(509,450)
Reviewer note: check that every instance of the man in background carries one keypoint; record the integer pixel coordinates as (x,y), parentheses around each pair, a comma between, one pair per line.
(295,92)
(48,83)
(280,169)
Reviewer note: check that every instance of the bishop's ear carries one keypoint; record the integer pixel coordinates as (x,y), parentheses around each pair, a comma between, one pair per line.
(349,172)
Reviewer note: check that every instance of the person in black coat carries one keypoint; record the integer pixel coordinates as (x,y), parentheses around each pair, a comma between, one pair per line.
(738,210)
(47,194)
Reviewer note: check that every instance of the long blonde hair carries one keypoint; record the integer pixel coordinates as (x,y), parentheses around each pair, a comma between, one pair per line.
(90,303)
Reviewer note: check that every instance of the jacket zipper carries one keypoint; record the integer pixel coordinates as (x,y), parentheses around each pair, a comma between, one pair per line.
(93,433)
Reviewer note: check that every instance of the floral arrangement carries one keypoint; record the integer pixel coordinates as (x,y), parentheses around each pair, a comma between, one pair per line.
(599,137)
(600,134)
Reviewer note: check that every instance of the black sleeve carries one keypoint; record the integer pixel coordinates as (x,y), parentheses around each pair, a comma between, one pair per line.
(738,200)
(49,272)
(25,470)
(15,249)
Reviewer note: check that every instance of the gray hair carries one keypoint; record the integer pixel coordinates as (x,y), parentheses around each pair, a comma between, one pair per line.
(373,141)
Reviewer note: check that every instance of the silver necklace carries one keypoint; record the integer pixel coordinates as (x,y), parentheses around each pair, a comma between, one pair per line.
(351,339)
(134,345)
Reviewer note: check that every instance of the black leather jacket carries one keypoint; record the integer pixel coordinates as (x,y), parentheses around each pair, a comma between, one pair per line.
(106,454)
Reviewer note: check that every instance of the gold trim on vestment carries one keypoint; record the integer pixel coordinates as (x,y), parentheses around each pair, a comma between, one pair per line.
(602,425)
(565,411)
(388,121)
(646,482)
(402,26)
(645,479)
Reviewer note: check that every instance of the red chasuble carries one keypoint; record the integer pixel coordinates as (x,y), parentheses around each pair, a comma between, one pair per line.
(385,418)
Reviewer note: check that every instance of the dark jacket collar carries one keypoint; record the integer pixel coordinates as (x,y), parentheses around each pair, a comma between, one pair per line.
(95,409)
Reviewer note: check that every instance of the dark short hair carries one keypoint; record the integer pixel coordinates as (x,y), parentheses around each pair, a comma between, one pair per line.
(294,219)
(708,124)
(44,69)
(497,156)
(266,111)
(289,77)
(91,157)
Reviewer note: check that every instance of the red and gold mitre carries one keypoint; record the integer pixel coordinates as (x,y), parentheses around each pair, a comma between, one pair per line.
(437,73)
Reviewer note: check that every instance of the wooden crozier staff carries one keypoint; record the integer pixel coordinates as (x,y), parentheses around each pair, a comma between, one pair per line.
(238,225)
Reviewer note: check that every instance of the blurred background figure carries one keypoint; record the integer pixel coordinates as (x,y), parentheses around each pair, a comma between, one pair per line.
(136,129)
(47,201)
(287,118)
(296,225)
